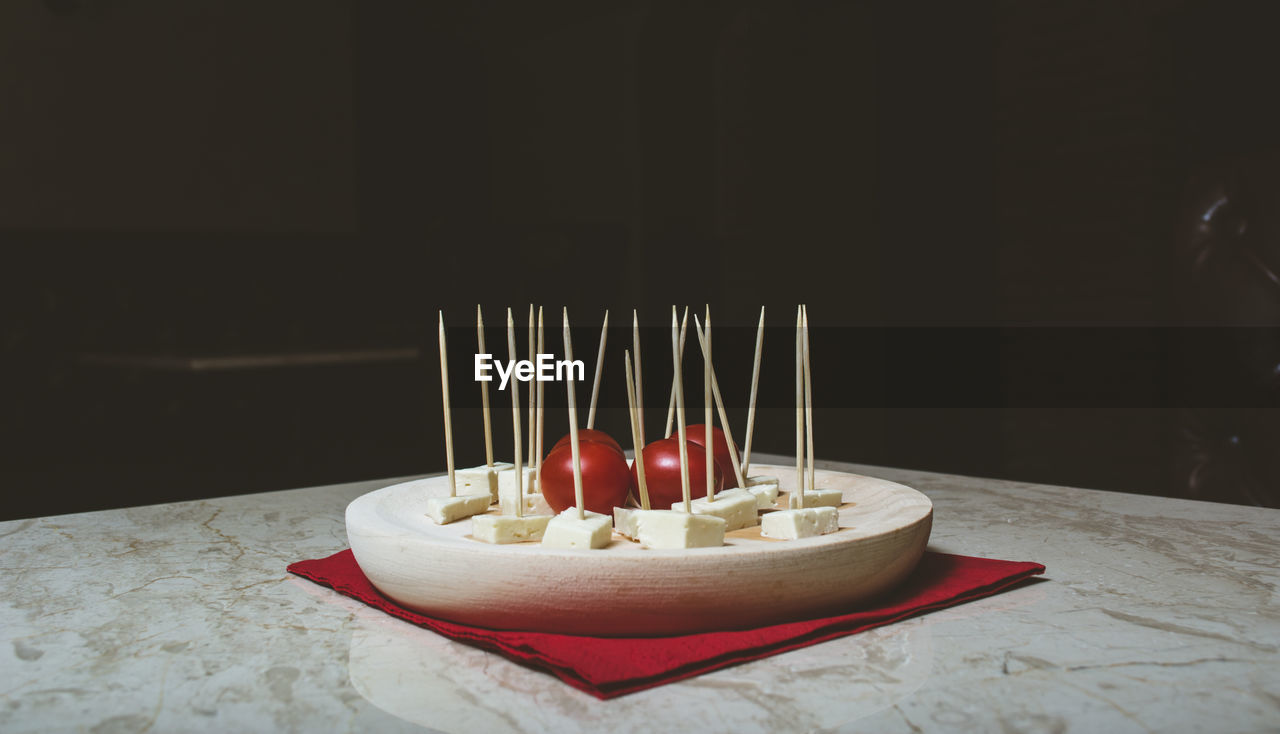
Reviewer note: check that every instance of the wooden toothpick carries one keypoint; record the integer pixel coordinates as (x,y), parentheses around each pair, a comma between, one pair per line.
(707,420)
(484,393)
(671,404)
(635,345)
(751,406)
(573,422)
(448,417)
(636,440)
(799,408)
(533,358)
(739,471)
(595,383)
(515,416)
(537,451)
(684,447)
(808,397)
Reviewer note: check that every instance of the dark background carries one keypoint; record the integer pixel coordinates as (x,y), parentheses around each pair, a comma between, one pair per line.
(227,178)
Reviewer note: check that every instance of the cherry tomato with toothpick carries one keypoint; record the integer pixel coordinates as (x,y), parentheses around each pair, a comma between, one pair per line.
(605,478)
(662,473)
(697,434)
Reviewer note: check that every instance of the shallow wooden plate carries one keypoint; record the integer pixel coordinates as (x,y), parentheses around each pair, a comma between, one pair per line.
(624,590)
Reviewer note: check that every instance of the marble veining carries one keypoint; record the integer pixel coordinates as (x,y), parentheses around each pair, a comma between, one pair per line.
(1157,615)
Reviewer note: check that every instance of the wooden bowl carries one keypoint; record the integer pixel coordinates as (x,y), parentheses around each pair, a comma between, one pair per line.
(624,590)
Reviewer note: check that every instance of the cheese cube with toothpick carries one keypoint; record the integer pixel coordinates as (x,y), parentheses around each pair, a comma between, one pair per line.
(625,519)
(508,491)
(567,530)
(816,498)
(765,490)
(507,480)
(484,478)
(534,504)
(802,523)
(445,510)
(500,529)
(661,529)
(737,507)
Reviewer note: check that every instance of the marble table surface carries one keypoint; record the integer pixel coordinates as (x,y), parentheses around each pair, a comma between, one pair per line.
(1156,615)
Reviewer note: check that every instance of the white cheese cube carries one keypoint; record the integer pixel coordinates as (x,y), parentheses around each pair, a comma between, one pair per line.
(508,528)
(567,531)
(828,519)
(674,529)
(507,479)
(804,523)
(817,498)
(445,510)
(536,504)
(483,478)
(765,490)
(737,507)
(624,522)
(507,494)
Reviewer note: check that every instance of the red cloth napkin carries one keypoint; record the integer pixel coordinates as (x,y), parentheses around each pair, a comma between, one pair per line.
(607,667)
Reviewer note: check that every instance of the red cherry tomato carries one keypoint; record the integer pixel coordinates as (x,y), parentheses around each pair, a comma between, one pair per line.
(697,434)
(662,473)
(605,479)
(587,434)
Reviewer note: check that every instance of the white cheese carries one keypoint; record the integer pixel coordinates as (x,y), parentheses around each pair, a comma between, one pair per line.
(805,523)
(673,529)
(765,490)
(508,528)
(445,510)
(624,522)
(534,504)
(817,498)
(483,478)
(507,479)
(567,531)
(737,507)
